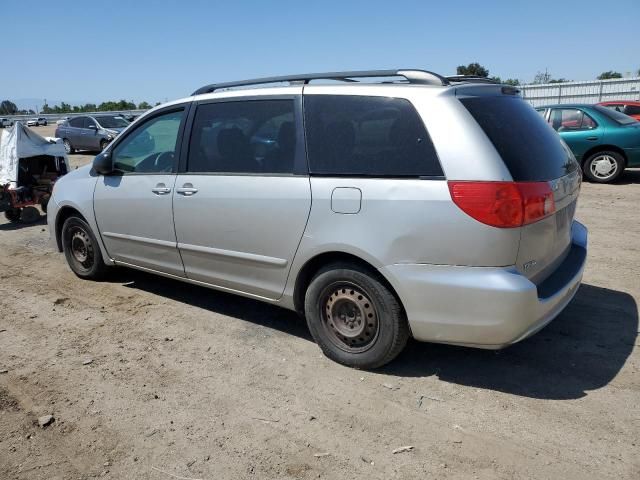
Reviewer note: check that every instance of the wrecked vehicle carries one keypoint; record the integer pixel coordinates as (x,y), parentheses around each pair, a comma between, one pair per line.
(29,167)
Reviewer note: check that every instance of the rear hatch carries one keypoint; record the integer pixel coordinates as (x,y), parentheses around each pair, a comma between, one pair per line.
(535,155)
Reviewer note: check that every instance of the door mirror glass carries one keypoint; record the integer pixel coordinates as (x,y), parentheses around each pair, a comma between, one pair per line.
(103,163)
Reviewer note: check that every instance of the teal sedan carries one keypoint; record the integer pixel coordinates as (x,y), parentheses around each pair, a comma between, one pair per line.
(604,141)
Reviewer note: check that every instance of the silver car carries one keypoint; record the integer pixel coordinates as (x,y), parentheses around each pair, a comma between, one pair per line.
(90,132)
(441,209)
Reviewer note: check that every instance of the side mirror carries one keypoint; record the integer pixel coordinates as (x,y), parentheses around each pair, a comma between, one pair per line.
(103,164)
(92,127)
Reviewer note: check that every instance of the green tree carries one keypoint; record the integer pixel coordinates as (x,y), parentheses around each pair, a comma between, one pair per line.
(144,106)
(508,81)
(609,74)
(545,77)
(473,69)
(541,77)
(8,108)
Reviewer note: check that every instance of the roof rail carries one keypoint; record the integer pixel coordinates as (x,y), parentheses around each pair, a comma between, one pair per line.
(420,77)
(471,78)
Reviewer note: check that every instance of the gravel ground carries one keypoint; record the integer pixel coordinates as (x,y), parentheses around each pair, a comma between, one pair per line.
(149,378)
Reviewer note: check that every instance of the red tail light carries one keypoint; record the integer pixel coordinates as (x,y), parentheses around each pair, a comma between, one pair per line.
(504,204)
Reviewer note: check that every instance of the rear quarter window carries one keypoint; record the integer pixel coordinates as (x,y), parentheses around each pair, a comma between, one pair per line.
(530,149)
(367,136)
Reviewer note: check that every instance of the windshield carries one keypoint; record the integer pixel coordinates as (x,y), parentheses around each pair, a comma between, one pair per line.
(112,122)
(614,115)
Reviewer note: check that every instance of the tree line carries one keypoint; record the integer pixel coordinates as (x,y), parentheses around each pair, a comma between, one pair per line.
(7,107)
(92,107)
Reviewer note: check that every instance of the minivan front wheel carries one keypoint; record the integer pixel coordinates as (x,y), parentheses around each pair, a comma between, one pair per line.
(604,167)
(81,249)
(68,147)
(355,319)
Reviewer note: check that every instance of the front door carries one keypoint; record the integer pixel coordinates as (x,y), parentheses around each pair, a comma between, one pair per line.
(90,139)
(133,207)
(242,204)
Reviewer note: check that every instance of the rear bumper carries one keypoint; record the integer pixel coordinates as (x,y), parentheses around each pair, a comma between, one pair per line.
(485,307)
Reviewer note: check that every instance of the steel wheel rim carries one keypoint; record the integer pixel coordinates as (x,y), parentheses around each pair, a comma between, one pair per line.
(67,146)
(603,167)
(349,317)
(81,248)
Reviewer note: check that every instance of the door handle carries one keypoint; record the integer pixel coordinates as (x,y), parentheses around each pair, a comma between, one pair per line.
(592,138)
(161,189)
(187,190)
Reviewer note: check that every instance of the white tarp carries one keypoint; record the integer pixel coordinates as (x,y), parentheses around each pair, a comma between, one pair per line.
(20,142)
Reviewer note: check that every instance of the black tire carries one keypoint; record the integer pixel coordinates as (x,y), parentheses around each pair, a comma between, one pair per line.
(67,146)
(13,215)
(81,249)
(29,215)
(337,298)
(604,166)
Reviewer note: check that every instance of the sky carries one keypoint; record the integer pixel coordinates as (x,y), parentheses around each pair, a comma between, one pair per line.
(93,51)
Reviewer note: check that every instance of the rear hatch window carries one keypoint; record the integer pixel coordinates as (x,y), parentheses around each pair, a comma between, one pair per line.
(529,148)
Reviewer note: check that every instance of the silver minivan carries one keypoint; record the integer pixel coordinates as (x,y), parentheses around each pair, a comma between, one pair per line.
(380,205)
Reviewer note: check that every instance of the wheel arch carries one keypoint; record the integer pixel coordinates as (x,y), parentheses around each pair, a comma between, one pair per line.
(62,215)
(321,260)
(603,148)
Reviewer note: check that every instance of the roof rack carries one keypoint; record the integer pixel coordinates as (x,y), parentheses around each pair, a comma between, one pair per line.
(419,77)
(470,78)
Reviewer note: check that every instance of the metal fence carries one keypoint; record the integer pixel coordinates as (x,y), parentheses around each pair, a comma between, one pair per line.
(593,91)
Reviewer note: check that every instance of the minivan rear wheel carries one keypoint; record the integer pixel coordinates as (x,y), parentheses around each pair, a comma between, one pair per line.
(604,167)
(355,319)
(81,249)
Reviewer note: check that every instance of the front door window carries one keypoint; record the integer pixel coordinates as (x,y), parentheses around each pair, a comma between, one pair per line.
(151,147)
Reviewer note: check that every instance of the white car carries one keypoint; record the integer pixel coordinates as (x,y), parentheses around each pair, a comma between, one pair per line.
(5,122)
(35,122)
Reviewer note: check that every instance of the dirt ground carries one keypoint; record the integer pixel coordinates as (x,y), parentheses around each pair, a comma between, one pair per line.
(149,378)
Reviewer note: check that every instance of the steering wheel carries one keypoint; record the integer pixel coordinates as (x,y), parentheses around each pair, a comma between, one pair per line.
(164,162)
(157,162)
